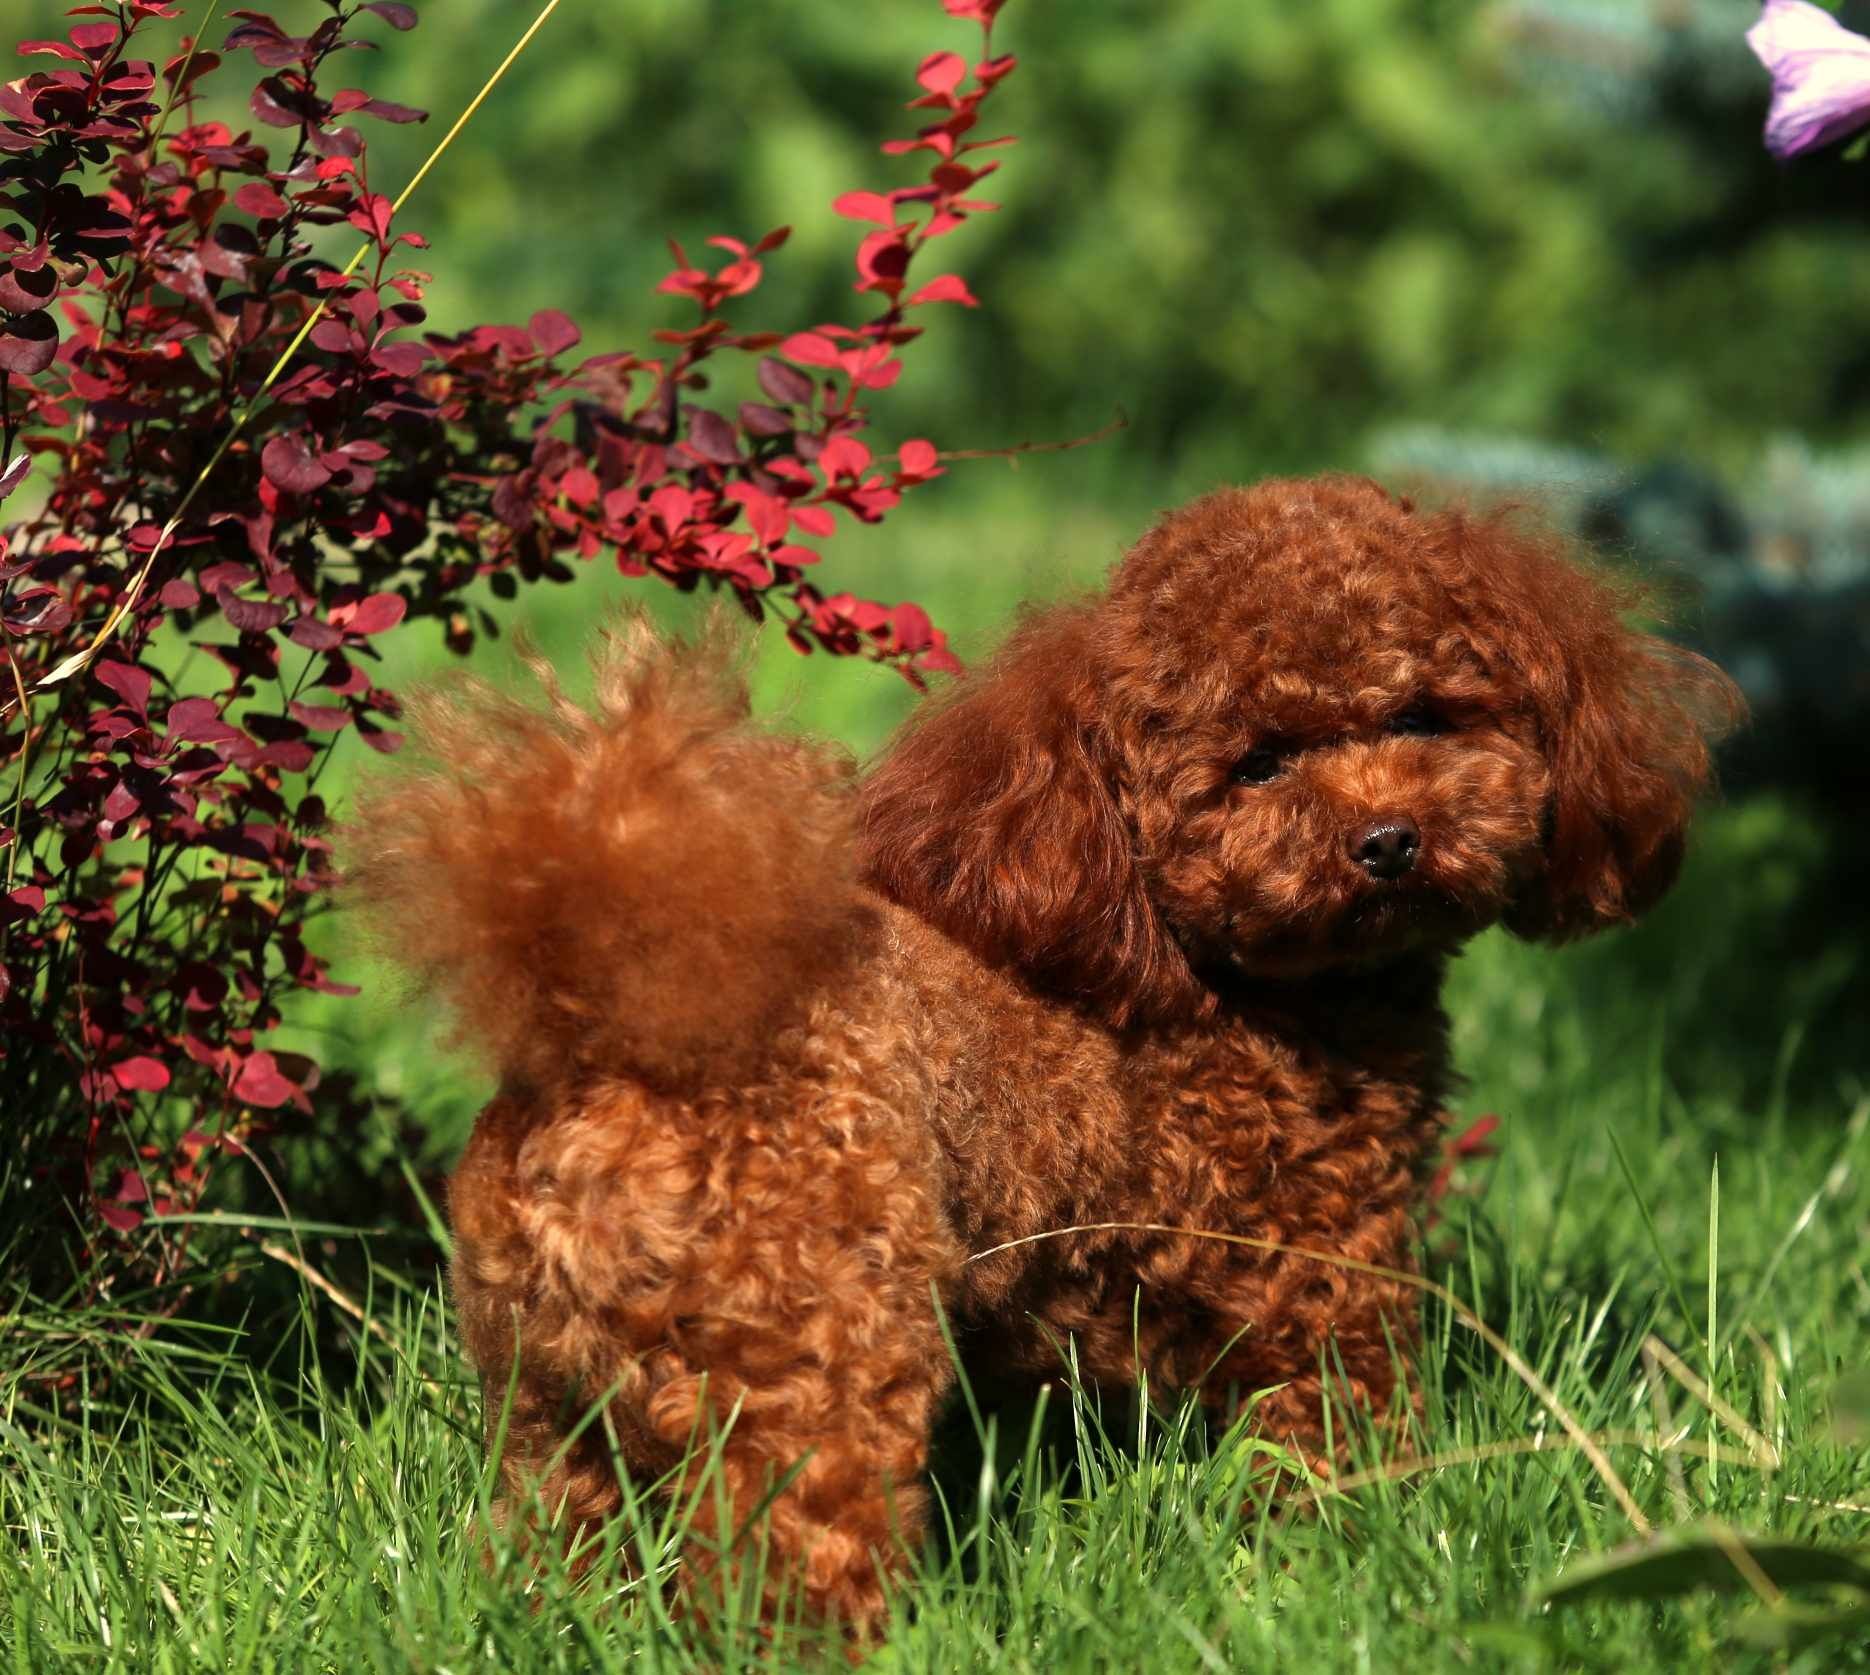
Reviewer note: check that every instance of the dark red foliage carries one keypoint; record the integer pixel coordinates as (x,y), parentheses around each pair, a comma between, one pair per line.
(190,625)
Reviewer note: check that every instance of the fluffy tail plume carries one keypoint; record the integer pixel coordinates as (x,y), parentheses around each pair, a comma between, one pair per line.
(652,887)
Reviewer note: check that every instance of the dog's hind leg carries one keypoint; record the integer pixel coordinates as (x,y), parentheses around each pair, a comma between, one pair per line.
(757,1293)
(806,1480)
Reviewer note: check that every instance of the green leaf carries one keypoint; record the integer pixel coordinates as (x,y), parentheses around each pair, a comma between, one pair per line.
(1794,1628)
(1680,1561)
(1515,1640)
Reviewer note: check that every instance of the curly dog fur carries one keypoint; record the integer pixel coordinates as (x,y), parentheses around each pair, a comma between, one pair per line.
(1144,921)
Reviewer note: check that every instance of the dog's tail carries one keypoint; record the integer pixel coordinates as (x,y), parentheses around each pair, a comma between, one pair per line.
(650,887)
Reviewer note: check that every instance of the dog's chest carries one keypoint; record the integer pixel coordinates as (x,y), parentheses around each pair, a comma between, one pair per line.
(1276,1134)
(1283,1125)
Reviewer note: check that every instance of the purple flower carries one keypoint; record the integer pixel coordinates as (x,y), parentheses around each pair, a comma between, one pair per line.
(1821,76)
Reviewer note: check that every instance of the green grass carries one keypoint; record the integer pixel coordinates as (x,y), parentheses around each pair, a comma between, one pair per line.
(269,1485)
(284,1490)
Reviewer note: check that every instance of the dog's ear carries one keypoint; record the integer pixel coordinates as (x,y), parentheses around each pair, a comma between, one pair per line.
(1626,721)
(994,815)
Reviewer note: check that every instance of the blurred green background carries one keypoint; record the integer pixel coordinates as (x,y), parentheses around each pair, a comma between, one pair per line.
(1530,247)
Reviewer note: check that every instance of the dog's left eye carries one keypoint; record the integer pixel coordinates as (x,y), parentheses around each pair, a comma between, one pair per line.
(1257,767)
(1418,721)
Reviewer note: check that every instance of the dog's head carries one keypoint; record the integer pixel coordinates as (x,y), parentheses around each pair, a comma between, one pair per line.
(1307,727)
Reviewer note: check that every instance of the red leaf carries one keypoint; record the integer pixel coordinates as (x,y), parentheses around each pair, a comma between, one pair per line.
(314,635)
(374,615)
(942,72)
(267,106)
(198,721)
(373,217)
(130,683)
(258,1082)
(403,360)
(259,199)
(757,419)
(56,49)
(28,343)
(396,15)
(325,717)
(948,288)
(191,65)
(919,460)
(92,38)
(866,206)
(785,384)
(120,805)
(878,374)
(251,616)
(36,610)
(579,485)
(554,332)
(766,513)
(882,260)
(203,987)
(712,437)
(141,1074)
(810,349)
(912,628)
(24,289)
(355,100)
(125,1221)
(289,464)
(844,456)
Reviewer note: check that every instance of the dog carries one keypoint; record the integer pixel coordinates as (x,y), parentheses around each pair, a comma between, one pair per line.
(1140,927)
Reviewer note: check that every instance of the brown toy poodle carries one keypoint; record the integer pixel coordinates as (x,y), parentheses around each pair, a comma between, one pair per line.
(1145,921)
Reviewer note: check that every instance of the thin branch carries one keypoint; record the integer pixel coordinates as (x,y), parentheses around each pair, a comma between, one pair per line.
(1512,1447)
(1827,1506)
(330,1288)
(1119,421)
(1765,1455)
(1666,1426)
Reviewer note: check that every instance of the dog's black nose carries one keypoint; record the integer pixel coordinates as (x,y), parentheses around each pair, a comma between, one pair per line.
(1387,848)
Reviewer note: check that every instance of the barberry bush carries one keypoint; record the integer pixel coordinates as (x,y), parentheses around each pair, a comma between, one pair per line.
(236,466)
